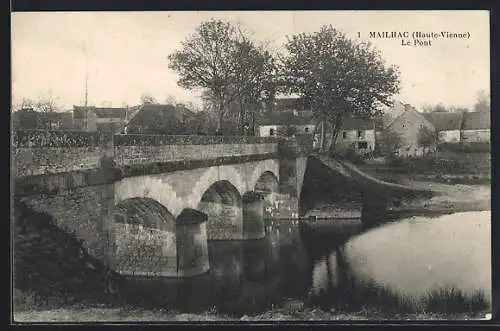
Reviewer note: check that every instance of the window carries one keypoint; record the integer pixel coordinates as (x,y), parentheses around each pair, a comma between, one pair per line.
(360,134)
(362,145)
(306,130)
(271,131)
(344,135)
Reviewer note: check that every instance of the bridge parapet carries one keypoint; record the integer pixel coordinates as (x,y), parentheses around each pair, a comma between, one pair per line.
(141,149)
(48,152)
(51,152)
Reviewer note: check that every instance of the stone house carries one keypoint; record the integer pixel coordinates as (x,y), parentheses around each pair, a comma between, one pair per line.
(448,125)
(287,104)
(357,134)
(476,127)
(271,124)
(406,121)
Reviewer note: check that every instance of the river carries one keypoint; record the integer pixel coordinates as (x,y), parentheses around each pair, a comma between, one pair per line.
(296,264)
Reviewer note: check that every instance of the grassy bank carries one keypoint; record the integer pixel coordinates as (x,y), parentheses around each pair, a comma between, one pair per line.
(296,312)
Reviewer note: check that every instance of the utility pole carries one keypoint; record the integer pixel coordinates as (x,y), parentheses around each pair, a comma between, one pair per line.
(86,86)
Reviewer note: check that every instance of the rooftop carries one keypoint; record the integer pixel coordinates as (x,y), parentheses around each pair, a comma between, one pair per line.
(444,121)
(101,112)
(476,121)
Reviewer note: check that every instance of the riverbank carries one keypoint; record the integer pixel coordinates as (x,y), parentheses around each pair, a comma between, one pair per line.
(293,311)
(454,192)
(450,198)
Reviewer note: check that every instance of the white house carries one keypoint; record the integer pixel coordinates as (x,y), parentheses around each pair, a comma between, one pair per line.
(272,124)
(356,134)
(98,119)
(476,127)
(448,125)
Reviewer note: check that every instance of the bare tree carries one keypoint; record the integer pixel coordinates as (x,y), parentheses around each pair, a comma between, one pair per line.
(148,99)
(222,61)
(25,103)
(427,138)
(171,100)
(483,103)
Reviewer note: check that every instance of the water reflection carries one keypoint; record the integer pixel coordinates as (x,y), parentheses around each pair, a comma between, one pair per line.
(245,276)
(415,260)
(323,263)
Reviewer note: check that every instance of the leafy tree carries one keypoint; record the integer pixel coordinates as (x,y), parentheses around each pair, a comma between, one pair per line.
(482,102)
(337,77)
(219,59)
(427,138)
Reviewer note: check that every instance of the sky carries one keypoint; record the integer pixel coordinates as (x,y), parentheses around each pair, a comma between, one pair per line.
(127,51)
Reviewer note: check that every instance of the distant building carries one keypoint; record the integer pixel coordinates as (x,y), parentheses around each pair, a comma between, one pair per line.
(99,118)
(447,125)
(274,124)
(476,127)
(356,134)
(28,119)
(159,119)
(288,104)
(406,121)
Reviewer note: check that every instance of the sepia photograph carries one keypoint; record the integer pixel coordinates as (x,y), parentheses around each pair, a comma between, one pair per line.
(250,166)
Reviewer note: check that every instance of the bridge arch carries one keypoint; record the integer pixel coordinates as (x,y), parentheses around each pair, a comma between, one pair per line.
(150,241)
(222,202)
(268,185)
(213,175)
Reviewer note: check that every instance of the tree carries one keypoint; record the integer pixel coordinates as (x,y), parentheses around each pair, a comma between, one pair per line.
(390,142)
(171,100)
(26,103)
(337,77)
(147,99)
(439,108)
(230,69)
(483,103)
(34,113)
(427,138)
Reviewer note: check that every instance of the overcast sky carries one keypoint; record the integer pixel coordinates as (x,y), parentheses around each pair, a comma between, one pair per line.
(127,51)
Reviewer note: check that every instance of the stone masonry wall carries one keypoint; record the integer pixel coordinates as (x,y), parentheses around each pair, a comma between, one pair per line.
(86,211)
(126,155)
(48,152)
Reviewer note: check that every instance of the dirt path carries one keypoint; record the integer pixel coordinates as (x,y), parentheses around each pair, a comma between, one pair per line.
(457,197)
(138,315)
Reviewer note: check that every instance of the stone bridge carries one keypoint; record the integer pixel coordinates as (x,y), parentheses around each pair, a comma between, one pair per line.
(146,205)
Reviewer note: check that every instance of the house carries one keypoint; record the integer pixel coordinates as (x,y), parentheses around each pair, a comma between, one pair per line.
(28,119)
(99,118)
(159,119)
(356,134)
(475,127)
(288,104)
(274,124)
(447,125)
(405,121)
